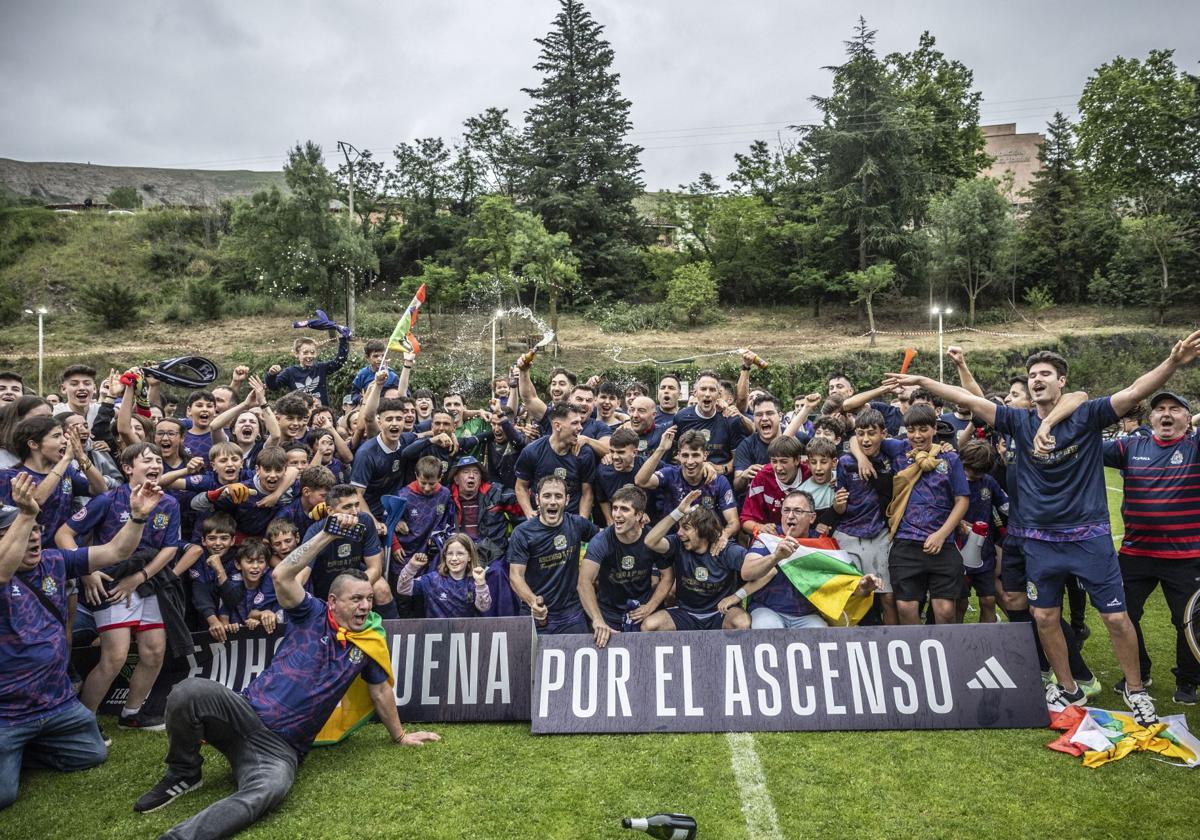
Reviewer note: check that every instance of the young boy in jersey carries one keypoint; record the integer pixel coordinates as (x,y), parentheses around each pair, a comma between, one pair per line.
(832,429)
(822,455)
(988,504)
(292,413)
(308,374)
(201,411)
(616,580)
(707,584)
(203,588)
(308,506)
(621,471)
(769,487)
(457,588)
(930,500)
(282,538)
(862,530)
(374,351)
(248,597)
(543,555)
(693,473)
(252,507)
(429,512)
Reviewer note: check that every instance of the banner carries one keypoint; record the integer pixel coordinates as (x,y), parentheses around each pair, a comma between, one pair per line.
(975,676)
(467,669)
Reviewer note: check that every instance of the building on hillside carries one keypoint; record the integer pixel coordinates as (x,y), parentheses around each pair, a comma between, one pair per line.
(652,211)
(1014,155)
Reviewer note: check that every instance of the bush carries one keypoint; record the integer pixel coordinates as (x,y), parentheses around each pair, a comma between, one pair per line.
(629,318)
(1038,298)
(126,198)
(206,298)
(112,302)
(692,293)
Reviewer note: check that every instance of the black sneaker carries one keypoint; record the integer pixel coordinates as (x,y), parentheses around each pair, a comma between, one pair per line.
(165,792)
(1142,706)
(1119,685)
(105,737)
(1185,695)
(141,721)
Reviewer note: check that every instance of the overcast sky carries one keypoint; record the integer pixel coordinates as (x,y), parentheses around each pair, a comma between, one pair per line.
(221,84)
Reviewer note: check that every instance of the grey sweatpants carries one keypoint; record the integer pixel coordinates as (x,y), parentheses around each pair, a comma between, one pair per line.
(264,765)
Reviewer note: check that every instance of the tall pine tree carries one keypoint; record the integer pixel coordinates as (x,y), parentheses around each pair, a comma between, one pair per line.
(580,174)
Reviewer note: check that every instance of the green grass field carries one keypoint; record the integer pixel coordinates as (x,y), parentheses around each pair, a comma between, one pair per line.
(498,781)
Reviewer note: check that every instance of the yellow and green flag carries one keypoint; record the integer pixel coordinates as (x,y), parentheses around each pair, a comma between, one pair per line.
(402,337)
(355,708)
(823,574)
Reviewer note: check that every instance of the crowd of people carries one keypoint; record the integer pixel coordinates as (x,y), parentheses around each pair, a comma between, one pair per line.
(137,517)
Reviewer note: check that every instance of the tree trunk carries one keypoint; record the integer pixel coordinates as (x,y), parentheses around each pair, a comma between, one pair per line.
(871,319)
(971,309)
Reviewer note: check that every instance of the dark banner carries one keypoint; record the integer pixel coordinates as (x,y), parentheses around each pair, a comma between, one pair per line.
(468,669)
(976,676)
(471,669)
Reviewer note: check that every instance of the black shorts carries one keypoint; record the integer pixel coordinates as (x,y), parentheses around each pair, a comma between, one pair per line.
(983,582)
(685,620)
(1012,567)
(914,572)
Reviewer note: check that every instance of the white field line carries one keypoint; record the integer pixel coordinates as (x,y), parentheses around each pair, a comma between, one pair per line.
(762,823)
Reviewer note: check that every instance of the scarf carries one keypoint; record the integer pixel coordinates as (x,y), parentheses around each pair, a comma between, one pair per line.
(370,640)
(903,483)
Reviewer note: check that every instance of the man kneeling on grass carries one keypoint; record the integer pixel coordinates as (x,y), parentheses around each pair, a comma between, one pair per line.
(266,731)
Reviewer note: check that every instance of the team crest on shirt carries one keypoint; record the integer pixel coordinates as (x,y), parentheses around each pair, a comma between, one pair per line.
(441,509)
(641,445)
(943,467)
(1030,591)
(49,585)
(707,434)
(560,472)
(701,574)
(160,521)
(395,466)
(560,541)
(1177,458)
(80,515)
(627,562)
(707,502)
(355,654)
(259,598)
(985,494)
(344,550)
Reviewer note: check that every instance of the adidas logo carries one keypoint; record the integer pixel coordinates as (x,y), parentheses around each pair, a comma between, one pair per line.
(991,675)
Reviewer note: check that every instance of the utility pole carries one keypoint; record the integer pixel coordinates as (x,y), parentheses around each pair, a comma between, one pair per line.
(346,149)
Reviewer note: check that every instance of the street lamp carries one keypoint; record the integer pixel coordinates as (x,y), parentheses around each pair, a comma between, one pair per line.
(41,313)
(495,317)
(939,311)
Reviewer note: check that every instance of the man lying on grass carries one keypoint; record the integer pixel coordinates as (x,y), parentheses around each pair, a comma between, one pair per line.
(266,731)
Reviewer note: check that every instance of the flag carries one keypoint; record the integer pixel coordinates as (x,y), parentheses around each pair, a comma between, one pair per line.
(1101,736)
(355,708)
(402,337)
(823,574)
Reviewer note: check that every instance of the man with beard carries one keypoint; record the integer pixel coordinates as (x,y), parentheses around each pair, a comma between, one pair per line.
(669,391)
(555,454)
(266,731)
(751,454)
(543,556)
(616,582)
(642,422)
(722,425)
(1161,511)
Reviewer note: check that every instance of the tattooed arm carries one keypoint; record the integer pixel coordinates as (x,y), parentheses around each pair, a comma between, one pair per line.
(289,591)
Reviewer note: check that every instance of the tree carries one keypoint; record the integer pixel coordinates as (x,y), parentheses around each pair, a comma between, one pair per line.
(295,243)
(1137,130)
(579,173)
(967,236)
(868,283)
(546,261)
(496,148)
(126,198)
(692,293)
(864,153)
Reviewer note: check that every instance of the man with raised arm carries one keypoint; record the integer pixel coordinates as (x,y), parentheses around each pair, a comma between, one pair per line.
(266,731)
(42,723)
(1063,514)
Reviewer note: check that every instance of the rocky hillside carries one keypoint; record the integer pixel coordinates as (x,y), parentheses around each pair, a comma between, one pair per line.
(76,182)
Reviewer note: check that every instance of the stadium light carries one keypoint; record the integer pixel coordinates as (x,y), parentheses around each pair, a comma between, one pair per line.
(499,313)
(941,311)
(41,312)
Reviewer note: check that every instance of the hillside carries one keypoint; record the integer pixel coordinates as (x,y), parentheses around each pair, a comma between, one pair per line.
(52,182)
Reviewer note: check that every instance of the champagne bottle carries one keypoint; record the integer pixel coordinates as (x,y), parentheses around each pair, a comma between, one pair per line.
(663,826)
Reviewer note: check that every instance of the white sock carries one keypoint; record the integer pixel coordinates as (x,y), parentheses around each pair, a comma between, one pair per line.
(128,712)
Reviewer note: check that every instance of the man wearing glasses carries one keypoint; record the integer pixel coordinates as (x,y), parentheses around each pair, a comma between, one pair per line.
(779,605)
